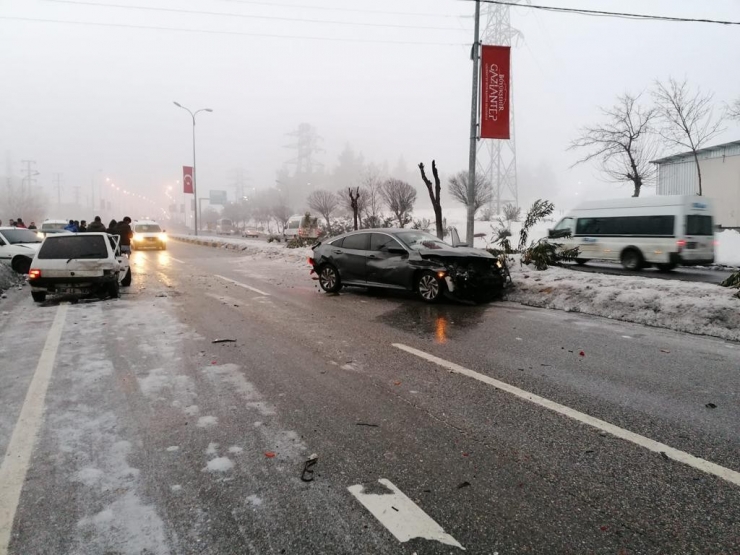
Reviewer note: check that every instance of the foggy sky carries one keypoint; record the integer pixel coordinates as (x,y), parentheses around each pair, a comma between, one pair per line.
(81,98)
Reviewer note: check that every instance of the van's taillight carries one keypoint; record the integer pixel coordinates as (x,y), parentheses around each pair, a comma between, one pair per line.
(716,243)
(34,274)
(681,244)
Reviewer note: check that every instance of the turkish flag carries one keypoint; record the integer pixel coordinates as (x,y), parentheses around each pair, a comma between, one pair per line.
(494,93)
(187,180)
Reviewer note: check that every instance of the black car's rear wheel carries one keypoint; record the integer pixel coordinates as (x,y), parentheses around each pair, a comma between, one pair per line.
(329,279)
(126,281)
(38,296)
(429,287)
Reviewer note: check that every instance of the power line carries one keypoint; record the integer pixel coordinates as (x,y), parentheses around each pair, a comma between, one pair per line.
(233,33)
(623,15)
(339,9)
(252,16)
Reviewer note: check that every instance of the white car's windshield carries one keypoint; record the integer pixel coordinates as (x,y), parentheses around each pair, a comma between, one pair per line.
(419,240)
(147,228)
(15,236)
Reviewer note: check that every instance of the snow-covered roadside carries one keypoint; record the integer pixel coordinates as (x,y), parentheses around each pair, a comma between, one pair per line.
(8,278)
(250,247)
(698,308)
(727,252)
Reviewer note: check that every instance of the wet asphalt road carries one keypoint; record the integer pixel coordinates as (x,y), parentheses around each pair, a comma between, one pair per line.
(704,275)
(158,441)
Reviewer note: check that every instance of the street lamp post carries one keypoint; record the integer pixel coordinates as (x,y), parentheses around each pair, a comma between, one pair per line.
(195,188)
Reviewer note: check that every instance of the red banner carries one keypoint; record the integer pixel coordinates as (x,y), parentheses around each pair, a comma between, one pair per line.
(494,94)
(187,180)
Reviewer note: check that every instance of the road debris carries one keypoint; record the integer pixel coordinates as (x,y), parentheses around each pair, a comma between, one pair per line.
(368,425)
(224,341)
(711,406)
(307,474)
(463,485)
(270,454)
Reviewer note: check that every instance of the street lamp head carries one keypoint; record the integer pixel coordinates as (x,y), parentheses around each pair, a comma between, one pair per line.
(177,104)
(207,110)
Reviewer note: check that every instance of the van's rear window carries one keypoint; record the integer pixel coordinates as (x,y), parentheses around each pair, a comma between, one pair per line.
(74,246)
(699,225)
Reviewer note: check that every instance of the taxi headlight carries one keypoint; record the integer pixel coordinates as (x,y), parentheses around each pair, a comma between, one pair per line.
(137,237)
(163,237)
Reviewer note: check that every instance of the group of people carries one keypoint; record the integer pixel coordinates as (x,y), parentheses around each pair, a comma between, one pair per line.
(19,223)
(122,229)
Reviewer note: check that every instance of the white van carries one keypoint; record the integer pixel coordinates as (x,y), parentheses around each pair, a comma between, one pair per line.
(661,230)
(224,226)
(302,226)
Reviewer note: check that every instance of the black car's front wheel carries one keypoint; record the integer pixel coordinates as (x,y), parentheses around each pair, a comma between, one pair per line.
(429,287)
(329,279)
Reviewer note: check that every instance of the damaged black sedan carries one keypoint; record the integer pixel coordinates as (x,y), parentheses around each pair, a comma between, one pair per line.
(410,260)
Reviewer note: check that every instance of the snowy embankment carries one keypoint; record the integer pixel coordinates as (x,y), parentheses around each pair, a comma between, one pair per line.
(8,278)
(727,252)
(250,247)
(698,308)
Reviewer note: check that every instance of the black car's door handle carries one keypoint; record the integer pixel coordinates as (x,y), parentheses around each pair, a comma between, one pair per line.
(337,251)
(373,257)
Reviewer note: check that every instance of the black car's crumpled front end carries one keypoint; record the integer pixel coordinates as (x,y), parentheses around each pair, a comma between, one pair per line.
(472,278)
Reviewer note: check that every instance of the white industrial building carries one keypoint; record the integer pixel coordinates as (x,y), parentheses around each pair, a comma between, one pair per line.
(720,179)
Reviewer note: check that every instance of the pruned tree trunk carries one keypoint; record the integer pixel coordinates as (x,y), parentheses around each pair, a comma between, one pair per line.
(698,171)
(353,198)
(434,196)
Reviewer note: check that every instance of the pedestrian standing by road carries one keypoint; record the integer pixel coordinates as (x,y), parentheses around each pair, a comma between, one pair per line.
(32,225)
(124,230)
(96,225)
(71,226)
(112,227)
(19,223)
(83,226)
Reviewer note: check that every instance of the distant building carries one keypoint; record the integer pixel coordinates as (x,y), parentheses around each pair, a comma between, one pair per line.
(720,178)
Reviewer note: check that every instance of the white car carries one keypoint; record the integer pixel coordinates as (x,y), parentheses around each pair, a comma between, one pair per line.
(18,246)
(80,263)
(147,235)
(49,227)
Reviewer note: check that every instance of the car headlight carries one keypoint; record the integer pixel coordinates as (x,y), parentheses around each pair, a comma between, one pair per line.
(163,237)
(39,235)
(137,237)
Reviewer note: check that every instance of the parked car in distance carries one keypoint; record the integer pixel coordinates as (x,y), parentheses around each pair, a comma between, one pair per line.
(249,232)
(665,230)
(148,234)
(18,246)
(49,227)
(409,260)
(224,226)
(82,263)
(302,226)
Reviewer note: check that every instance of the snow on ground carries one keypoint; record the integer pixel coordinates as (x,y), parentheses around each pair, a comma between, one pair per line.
(8,278)
(698,308)
(728,248)
(256,248)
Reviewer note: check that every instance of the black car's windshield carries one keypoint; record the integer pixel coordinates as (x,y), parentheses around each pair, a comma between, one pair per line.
(418,240)
(74,246)
(147,228)
(15,236)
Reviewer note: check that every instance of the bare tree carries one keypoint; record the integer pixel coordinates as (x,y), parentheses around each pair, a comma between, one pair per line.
(511,214)
(371,203)
(281,212)
(400,197)
(434,196)
(325,203)
(354,202)
(458,188)
(687,117)
(623,144)
(733,111)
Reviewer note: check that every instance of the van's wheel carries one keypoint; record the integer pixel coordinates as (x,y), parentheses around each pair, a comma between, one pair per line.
(429,286)
(581,261)
(632,260)
(113,289)
(666,267)
(21,264)
(329,279)
(38,296)
(126,281)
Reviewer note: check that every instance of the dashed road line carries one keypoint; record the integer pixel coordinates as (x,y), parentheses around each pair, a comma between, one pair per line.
(176,260)
(243,285)
(703,465)
(402,517)
(18,454)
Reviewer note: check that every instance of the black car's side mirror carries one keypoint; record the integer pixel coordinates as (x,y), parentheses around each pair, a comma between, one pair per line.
(396,250)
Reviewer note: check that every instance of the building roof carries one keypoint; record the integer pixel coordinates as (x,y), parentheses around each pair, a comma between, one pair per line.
(726,149)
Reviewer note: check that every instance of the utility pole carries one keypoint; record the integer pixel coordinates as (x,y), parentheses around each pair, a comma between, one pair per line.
(58,183)
(30,173)
(470,227)
(76,189)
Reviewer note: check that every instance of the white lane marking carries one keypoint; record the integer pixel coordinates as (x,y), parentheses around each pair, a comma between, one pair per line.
(401,516)
(243,285)
(17,457)
(176,260)
(728,474)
